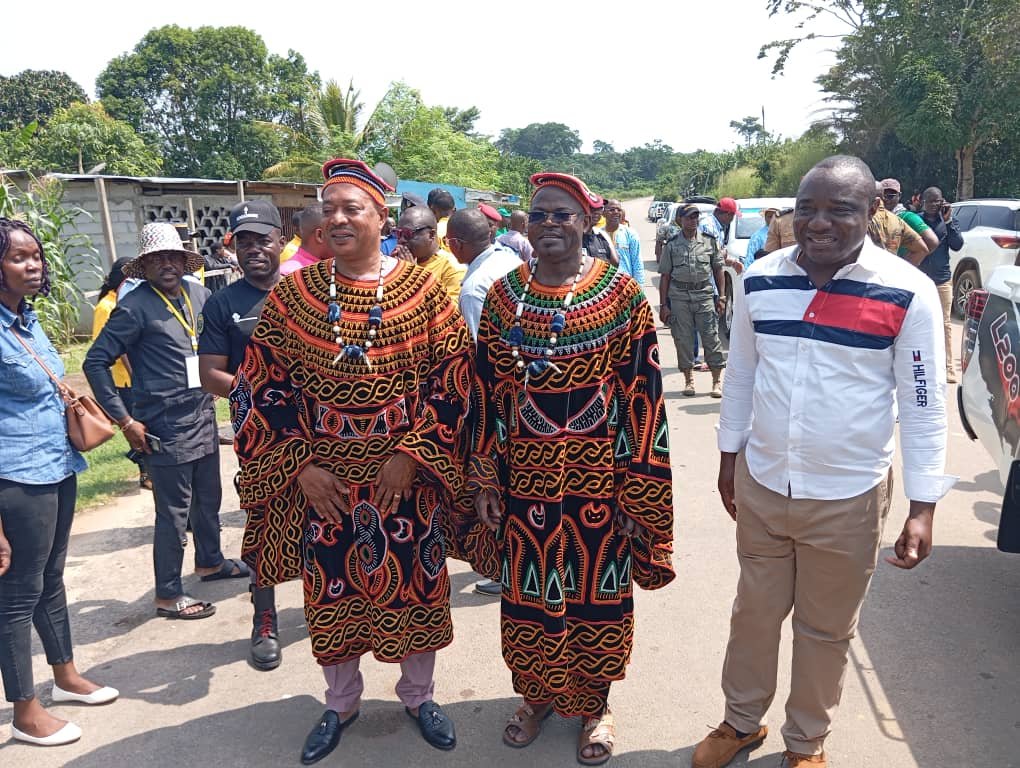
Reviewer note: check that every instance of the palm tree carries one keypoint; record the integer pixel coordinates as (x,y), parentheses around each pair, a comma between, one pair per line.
(330,129)
(749,128)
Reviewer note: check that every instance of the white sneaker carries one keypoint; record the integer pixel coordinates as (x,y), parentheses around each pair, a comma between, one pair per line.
(66,735)
(100,696)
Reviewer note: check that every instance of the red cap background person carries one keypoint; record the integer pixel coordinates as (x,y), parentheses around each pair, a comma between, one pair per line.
(557,332)
(494,218)
(357,340)
(718,226)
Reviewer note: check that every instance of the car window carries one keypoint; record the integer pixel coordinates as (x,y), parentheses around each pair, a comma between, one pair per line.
(748,223)
(964,216)
(996,216)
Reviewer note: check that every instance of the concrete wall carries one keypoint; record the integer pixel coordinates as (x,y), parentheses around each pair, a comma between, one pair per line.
(133,205)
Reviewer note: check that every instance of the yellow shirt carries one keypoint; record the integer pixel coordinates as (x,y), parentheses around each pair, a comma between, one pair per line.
(290,248)
(121,377)
(447,271)
(441,232)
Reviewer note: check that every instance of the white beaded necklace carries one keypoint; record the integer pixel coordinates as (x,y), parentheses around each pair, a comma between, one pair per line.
(556,325)
(354,352)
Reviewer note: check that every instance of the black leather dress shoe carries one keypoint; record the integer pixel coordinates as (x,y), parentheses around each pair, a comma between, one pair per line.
(436,728)
(324,736)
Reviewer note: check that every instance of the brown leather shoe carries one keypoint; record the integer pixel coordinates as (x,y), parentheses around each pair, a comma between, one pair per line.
(721,746)
(797,760)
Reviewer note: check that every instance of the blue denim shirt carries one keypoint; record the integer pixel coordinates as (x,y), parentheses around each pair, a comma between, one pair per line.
(34,448)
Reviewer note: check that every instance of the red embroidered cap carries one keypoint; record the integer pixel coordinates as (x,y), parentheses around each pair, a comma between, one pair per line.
(571,184)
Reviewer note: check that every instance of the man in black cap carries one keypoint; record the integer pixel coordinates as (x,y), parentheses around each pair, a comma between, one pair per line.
(225,326)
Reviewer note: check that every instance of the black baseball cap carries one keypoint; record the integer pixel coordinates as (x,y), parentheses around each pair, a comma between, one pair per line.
(256,216)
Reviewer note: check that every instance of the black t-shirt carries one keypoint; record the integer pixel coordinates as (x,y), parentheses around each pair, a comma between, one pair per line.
(228,320)
(597,245)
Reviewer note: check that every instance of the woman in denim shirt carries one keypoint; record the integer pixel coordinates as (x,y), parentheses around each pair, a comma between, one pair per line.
(38,486)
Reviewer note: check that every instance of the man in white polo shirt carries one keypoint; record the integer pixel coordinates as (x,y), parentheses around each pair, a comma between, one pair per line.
(829,337)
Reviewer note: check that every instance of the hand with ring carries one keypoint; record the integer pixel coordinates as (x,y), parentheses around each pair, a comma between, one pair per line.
(394,482)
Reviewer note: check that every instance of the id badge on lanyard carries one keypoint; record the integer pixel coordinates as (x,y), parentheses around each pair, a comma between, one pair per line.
(190,361)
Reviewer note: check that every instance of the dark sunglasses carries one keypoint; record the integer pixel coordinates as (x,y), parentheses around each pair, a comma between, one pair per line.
(890,193)
(558,217)
(406,233)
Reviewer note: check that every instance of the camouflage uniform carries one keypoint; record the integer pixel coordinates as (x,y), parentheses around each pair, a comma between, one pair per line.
(780,231)
(689,264)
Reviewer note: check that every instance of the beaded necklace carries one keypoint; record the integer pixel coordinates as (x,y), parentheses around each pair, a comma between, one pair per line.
(354,352)
(556,325)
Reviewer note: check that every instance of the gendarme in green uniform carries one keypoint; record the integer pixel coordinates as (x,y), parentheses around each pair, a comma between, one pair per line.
(690,265)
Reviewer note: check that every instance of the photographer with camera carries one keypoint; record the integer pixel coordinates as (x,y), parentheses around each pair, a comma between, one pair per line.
(938,215)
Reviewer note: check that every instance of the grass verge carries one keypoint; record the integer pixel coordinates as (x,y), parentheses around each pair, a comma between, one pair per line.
(110,474)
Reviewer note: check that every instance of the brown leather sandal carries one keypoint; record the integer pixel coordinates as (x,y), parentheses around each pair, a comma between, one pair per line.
(597,731)
(528,721)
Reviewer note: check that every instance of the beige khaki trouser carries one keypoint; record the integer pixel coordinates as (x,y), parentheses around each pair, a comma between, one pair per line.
(946,297)
(817,558)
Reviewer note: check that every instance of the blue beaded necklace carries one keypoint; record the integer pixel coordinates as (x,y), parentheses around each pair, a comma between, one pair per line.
(556,325)
(354,352)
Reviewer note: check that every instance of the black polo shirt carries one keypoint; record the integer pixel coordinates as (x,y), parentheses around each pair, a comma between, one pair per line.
(228,321)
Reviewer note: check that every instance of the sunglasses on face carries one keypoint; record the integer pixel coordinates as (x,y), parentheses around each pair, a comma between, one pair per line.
(161,258)
(558,217)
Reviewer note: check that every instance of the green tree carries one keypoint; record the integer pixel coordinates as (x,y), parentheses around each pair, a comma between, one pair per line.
(34,95)
(600,147)
(420,143)
(16,146)
(199,93)
(83,136)
(938,75)
(750,129)
(541,141)
(462,120)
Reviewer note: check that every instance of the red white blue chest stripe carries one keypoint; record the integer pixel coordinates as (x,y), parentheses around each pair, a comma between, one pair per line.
(846,312)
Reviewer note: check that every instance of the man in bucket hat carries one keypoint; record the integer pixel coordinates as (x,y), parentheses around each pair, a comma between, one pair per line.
(174,425)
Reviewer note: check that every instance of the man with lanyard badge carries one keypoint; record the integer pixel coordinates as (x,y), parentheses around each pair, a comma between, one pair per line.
(225,325)
(173,424)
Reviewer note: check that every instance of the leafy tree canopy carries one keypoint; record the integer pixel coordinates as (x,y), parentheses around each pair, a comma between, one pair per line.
(198,94)
(936,76)
(541,141)
(82,137)
(34,95)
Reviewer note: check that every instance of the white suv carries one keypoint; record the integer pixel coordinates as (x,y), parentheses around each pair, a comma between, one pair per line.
(748,220)
(991,238)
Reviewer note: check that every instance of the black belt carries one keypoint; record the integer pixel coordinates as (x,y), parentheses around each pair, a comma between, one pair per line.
(692,286)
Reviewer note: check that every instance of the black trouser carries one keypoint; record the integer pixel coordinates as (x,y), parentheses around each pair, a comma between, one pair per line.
(37,523)
(179,489)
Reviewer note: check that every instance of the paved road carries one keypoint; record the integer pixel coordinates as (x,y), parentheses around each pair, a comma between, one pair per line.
(932,680)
